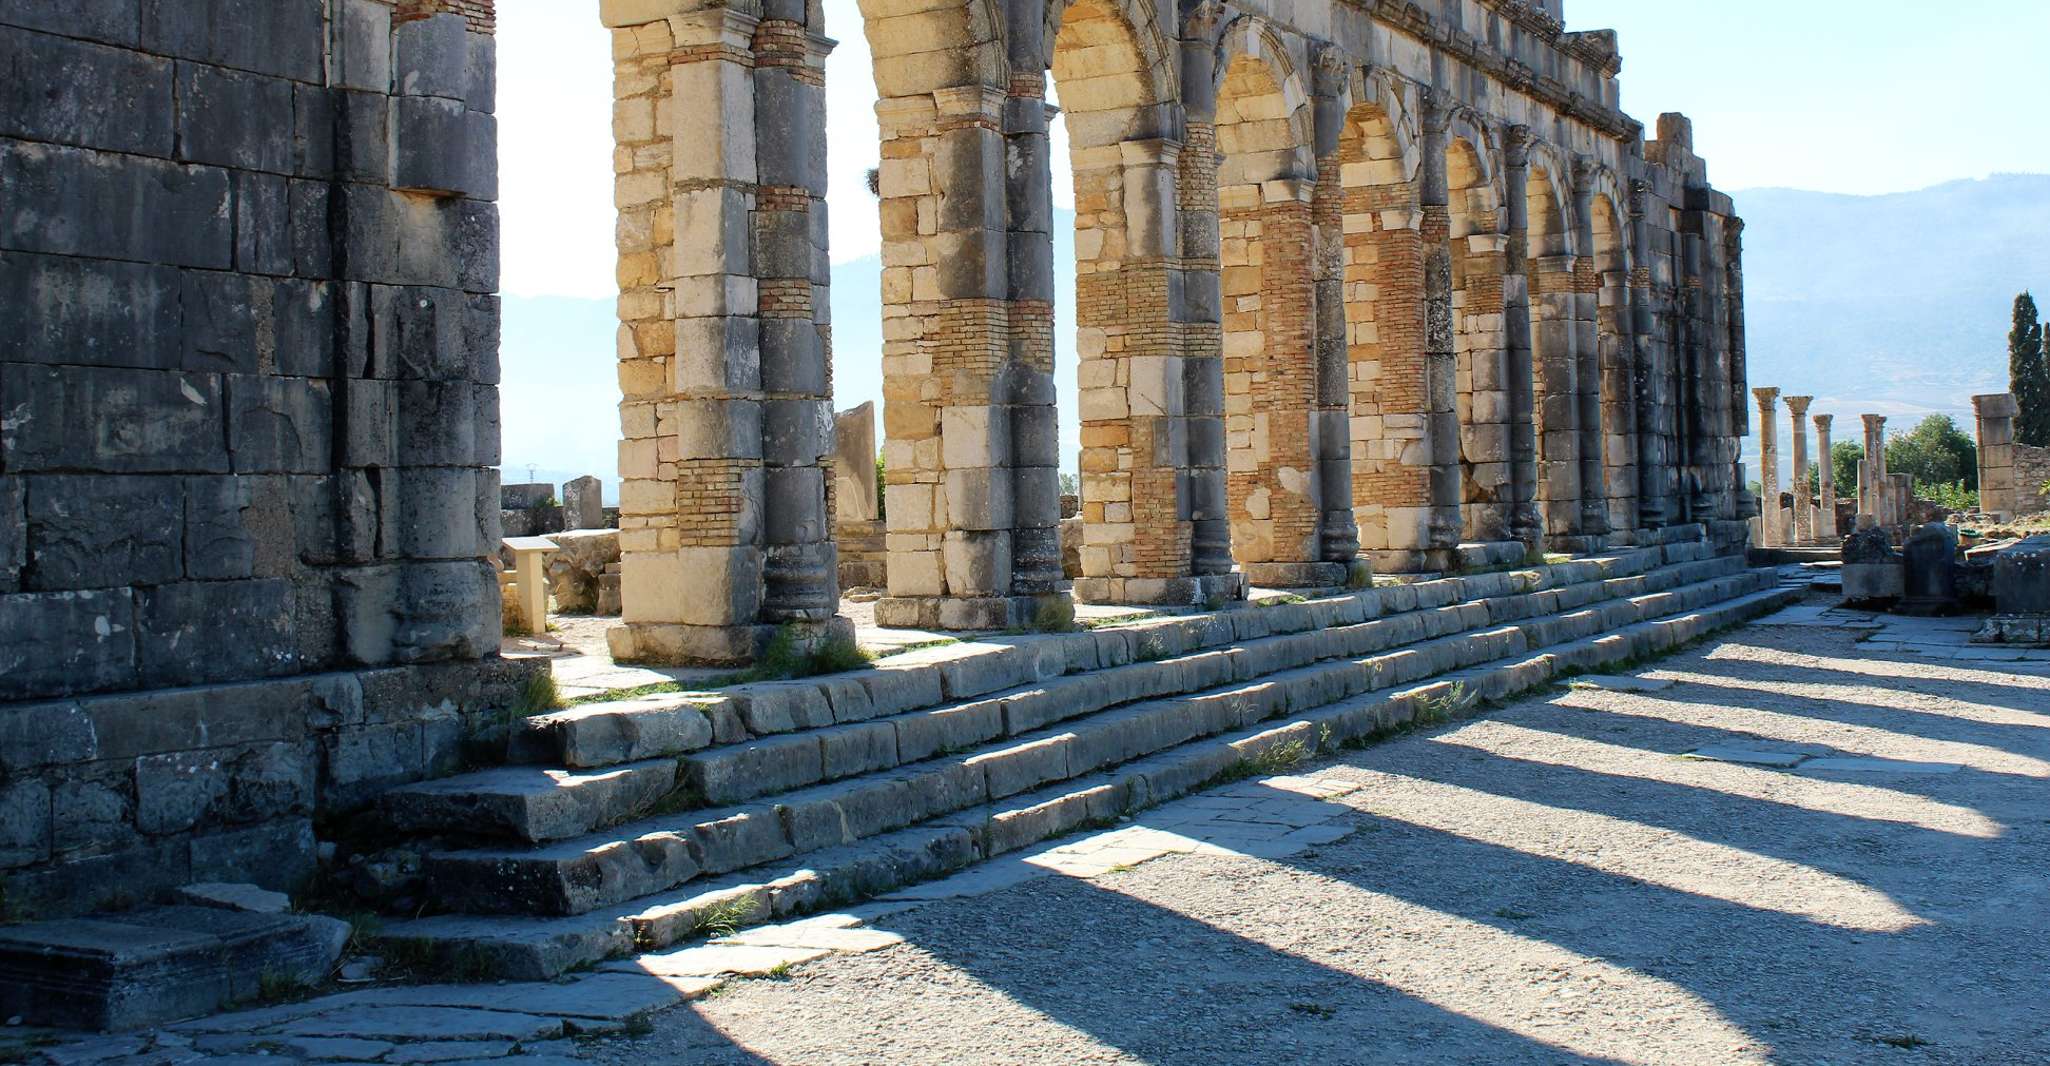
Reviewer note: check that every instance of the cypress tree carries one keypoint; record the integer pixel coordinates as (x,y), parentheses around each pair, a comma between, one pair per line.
(2028,374)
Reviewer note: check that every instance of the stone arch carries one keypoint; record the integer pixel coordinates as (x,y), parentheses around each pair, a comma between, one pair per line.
(1610,250)
(1266,186)
(1480,243)
(1114,79)
(1384,260)
(1551,273)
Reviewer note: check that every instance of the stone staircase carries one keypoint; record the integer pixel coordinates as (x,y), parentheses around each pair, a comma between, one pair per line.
(632,825)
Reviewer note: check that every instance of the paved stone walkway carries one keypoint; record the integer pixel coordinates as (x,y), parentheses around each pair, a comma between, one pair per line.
(1809,842)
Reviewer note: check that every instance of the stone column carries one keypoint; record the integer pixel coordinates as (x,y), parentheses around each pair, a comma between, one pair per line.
(1586,313)
(724,530)
(1029,378)
(1768,465)
(1872,475)
(1518,361)
(1331,423)
(1998,493)
(1441,373)
(1804,500)
(1653,470)
(1202,321)
(1825,463)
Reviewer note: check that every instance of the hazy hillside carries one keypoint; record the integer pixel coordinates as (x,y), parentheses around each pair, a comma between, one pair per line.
(1891,304)
(1886,304)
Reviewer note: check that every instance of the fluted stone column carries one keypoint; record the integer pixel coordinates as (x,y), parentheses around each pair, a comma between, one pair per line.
(1441,376)
(1654,472)
(1768,467)
(1826,531)
(1804,516)
(1331,423)
(1517,311)
(1998,492)
(1872,473)
(1586,316)
(723,357)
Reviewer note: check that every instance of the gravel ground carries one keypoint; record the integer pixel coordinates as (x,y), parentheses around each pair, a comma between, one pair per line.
(1549,883)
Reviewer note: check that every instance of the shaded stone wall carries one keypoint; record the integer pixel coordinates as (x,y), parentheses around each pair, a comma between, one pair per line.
(2031,474)
(248,253)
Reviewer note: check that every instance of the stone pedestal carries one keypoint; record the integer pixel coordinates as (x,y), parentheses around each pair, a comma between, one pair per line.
(583,503)
(1871,569)
(1929,571)
(1769,465)
(1997,488)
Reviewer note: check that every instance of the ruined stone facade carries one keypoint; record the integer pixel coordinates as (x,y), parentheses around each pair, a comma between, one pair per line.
(1354,279)
(1357,280)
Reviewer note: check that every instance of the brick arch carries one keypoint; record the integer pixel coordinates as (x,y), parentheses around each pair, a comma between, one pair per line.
(1553,310)
(1384,260)
(1112,76)
(1611,254)
(1480,329)
(1266,186)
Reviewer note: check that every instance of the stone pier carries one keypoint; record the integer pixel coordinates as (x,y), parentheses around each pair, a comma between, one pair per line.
(1804,500)
(1768,467)
(1825,530)
(1997,489)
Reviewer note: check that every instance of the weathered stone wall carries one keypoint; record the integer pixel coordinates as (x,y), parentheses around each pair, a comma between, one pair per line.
(2031,475)
(248,373)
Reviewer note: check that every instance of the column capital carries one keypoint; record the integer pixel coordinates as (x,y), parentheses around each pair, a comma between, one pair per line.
(1996,405)
(1200,23)
(1822,422)
(1766,398)
(1516,142)
(1799,405)
(1333,70)
(1874,423)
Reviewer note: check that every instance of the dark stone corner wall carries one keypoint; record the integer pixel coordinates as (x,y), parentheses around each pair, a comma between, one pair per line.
(248,419)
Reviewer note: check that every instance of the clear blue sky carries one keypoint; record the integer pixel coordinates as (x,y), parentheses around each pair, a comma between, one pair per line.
(1851,96)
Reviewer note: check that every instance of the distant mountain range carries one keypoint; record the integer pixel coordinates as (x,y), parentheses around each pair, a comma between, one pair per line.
(1895,305)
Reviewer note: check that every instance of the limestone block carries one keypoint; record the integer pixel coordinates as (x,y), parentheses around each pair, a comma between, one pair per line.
(247,624)
(583,503)
(577,570)
(796,432)
(854,464)
(58,195)
(692,586)
(712,233)
(915,573)
(717,355)
(98,531)
(145,420)
(234,119)
(54,309)
(979,499)
(715,429)
(284,38)
(715,135)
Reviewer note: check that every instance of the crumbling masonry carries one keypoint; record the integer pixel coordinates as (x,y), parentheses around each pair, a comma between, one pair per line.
(1359,280)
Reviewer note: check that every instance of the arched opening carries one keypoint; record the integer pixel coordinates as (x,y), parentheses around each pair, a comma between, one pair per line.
(1383,264)
(1266,184)
(1555,379)
(1480,347)
(1136,525)
(1612,332)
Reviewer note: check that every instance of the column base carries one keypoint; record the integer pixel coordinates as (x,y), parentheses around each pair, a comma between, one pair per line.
(958,613)
(1295,575)
(1412,560)
(1200,590)
(1576,543)
(666,644)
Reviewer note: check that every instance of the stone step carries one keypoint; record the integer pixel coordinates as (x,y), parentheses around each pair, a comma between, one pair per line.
(658,854)
(609,733)
(537,805)
(526,948)
(529,803)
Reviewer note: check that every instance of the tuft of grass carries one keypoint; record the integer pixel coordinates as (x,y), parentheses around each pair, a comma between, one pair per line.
(1314,1010)
(1054,614)
(538,697)
(1904,1041)
(659,688)
(1359,575)
(782,971)
(1283,599)
(1150,650)
(725,919)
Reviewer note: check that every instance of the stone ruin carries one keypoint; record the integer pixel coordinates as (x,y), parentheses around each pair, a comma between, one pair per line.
(1380,281)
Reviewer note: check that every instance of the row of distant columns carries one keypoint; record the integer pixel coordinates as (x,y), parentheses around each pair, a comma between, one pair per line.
(1814,511)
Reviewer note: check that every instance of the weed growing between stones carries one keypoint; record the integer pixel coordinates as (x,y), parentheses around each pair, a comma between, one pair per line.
(1360,575)
(725,919)
(538,697)
(1054,614)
